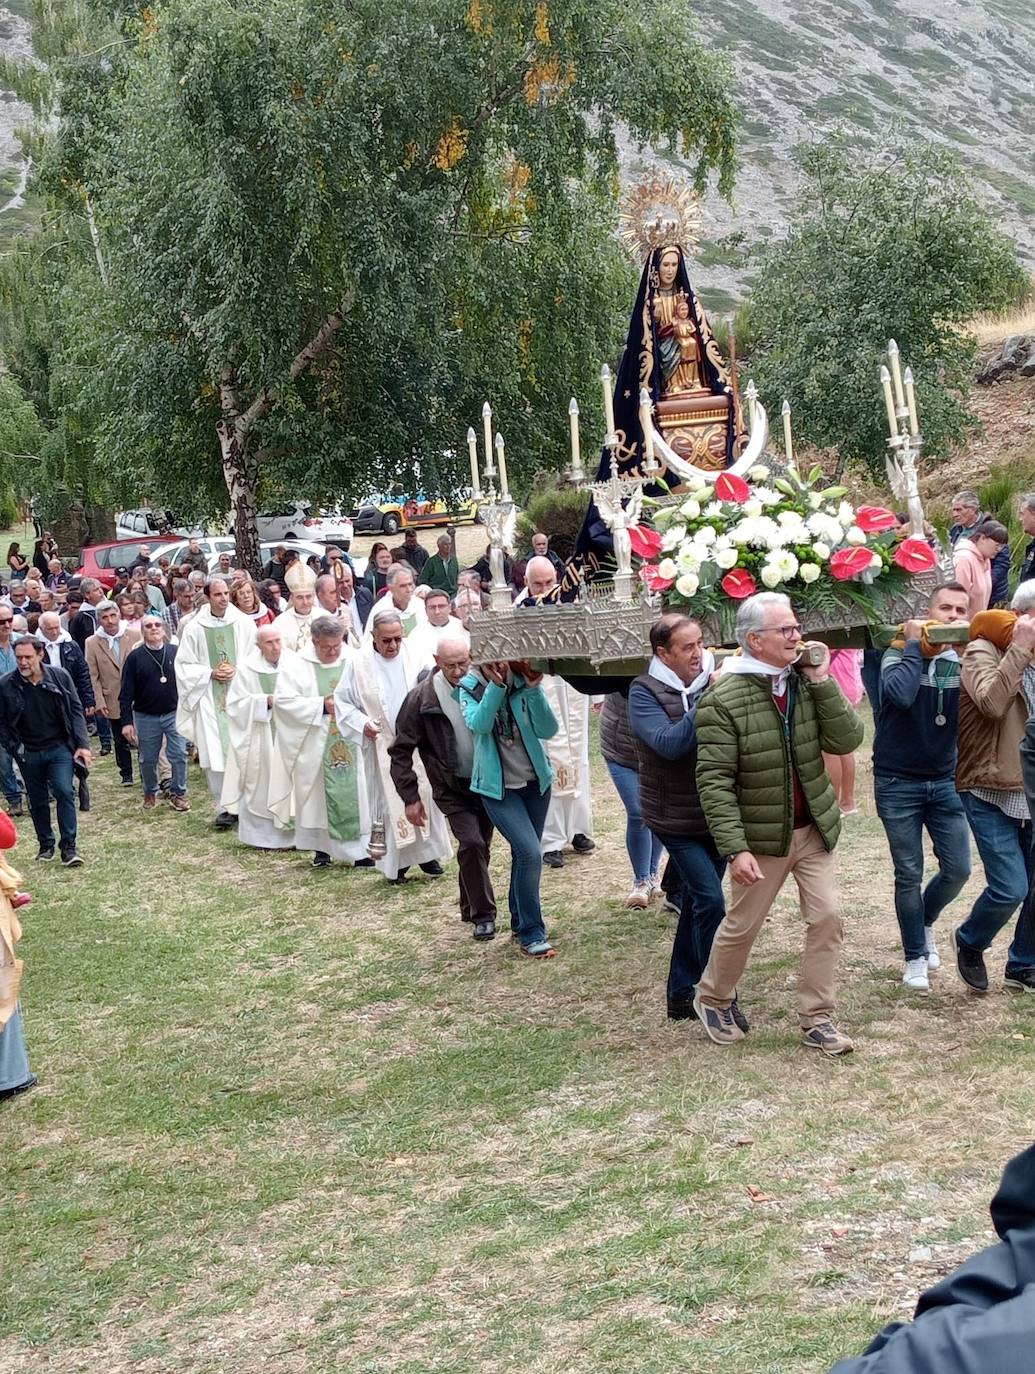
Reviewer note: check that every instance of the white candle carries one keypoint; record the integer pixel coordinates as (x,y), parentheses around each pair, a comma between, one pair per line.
(576,447)
(889,401)
(501,463)
(896,372)
(472,450)
(914,423)
(788,447)
(490,471)
(609,408)
(647,425)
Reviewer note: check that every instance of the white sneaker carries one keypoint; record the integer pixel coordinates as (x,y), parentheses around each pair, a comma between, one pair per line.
(915,976)
(654,888)
(934,959)
(639,898)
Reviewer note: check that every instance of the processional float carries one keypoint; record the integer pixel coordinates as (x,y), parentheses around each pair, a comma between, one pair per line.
(689,507)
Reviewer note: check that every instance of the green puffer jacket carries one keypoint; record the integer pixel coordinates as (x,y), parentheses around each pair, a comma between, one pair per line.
(744,753)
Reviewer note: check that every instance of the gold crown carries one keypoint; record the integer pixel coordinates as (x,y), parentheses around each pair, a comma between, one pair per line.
(659,213)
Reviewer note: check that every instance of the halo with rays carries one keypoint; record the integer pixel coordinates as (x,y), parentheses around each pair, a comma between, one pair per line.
(656,212)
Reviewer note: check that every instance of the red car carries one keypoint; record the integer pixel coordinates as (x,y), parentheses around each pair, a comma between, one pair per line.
(103,560)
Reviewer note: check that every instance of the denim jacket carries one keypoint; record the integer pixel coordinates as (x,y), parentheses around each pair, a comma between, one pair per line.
(480,701)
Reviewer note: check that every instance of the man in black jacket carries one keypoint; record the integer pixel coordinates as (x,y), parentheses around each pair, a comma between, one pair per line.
(430,720)
(357,601)
(1026,514)
(43,726)
(981,1318)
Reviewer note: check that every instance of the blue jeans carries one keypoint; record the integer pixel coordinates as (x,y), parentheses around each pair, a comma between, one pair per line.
(103,728)
(9,784)
(150,732)
(871,677)
(46,771)
(908,806)
(1005,848)
(703,907)
(520,818)
(643,848)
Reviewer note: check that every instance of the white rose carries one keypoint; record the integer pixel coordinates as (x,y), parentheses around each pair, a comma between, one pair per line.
(687,584)
(758,473)
(667,568)
(845,514)
(673,537)
(695,482)
(725,558)
(808,572)
(690,509)
(768,496)
(876,561)
(704,494)
(786,564)
(705,535)
(821,551)
(752,507)
(789,518)
(689,559)
(854,535)
(771,576)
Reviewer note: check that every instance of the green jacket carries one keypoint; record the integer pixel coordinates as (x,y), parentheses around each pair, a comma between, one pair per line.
(442,574)
(744,754)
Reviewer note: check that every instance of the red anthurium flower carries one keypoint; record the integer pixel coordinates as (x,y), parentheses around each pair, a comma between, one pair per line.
(849,563)
(730,487)
(654,580)
(646,543)
(874,519)
(915,555)
(738,584)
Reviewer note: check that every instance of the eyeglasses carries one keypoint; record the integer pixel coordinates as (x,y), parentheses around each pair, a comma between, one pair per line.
(788,631)
(6,619)
(391,639)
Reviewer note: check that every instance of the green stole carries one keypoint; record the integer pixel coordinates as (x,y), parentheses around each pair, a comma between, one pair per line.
(340,766)
(222,648)
(268,683)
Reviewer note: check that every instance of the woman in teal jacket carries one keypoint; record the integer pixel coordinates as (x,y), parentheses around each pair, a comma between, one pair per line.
(509,717)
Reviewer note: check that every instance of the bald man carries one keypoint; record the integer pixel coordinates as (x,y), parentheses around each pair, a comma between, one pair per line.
(570,817)
(431,722)
(249,713)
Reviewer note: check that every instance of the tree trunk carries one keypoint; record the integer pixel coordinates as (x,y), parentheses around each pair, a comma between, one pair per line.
(241,474)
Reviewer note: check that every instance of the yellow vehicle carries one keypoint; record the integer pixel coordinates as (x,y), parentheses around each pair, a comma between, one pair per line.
(381,515)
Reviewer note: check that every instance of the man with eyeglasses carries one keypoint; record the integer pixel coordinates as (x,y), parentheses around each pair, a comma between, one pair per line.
(762,730)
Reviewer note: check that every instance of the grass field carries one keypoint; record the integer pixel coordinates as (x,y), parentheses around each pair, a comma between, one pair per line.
(298,1121)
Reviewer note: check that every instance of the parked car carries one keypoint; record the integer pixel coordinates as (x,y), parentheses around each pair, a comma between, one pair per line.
(211,544)
(213,547)
(102,560)
(298,520)
(388,515)
(147,525)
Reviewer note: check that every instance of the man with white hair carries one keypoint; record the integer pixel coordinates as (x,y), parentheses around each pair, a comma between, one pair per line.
(356,600)
(216,639)
(967,515)
(317,778)
(328,602)
(400,599)
(431,722)
(772,811)
(442,569)
(106,653)
(148,713)
(570,817)
(249,763)
(367,701)
(61,651)
(1026,515)
(295,623)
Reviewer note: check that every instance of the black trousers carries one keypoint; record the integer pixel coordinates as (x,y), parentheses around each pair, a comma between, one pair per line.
(123,753)
(472,830)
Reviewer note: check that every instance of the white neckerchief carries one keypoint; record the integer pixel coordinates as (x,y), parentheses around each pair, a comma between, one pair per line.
(117,635)
(663,673)
(745,662)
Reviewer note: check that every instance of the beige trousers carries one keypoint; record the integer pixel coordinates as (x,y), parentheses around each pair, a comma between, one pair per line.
(813,869)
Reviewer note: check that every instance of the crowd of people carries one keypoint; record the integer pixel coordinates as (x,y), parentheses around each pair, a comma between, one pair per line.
(342,716)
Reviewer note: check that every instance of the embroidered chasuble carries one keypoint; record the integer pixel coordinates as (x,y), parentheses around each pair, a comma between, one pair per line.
(222,648)
(340,767)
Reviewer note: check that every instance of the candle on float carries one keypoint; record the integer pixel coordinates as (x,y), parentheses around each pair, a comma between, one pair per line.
(501,463)
(914,423)
(889,401)
(647,425)
(487,432)
(576,447)
(896,373)
(609,407)
(472,450)
(788,446)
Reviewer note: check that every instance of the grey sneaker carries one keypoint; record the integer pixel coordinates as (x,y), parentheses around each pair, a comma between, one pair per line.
(718,1023)
(827,1038)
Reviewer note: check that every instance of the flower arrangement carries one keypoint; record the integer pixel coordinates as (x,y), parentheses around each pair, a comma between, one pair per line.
(730,537)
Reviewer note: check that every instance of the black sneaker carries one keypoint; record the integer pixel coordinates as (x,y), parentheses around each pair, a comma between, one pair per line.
(71,859)
(15,809)
(553,858)
(739,1019)
(363,863)
(226,820)
(971,966)
(46,853)
(126,782)
(433,869)
(105,750)
(485,930)
(682,1010)
(582,844)
(30,1082)
(1021,977)
(321,860)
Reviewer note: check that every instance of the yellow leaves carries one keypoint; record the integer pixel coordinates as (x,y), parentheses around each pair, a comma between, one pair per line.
(452,147)
(149,22)
(411,155)
(478,18)
(542,24)
(546,81)
(297,91)
(518,177)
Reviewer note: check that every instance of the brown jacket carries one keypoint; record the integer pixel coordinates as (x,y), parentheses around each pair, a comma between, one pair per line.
(993,712)
(105,673)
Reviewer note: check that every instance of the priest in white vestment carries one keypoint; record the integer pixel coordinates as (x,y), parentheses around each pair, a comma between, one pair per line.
(441,624)
(367,701)
(401,597)
(216,639)
(249,709)
(295,623)
(318,777)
